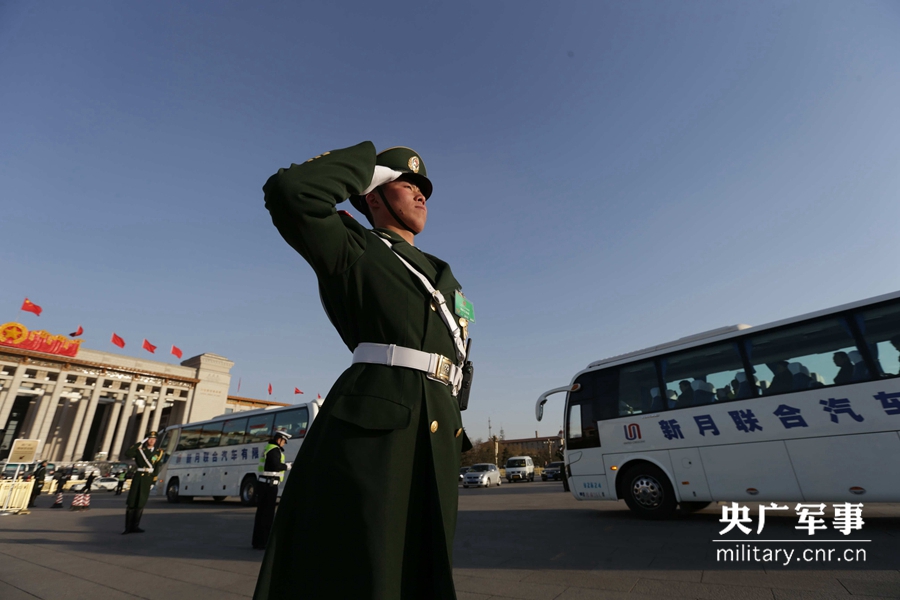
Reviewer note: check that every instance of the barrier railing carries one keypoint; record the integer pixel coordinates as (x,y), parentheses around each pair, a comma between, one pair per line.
(14,495)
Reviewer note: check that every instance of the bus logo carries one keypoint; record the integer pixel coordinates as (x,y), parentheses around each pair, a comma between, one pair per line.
(632,431)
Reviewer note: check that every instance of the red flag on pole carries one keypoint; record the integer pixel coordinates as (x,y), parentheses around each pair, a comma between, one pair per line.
(318,396)
(117,341)
(29,306)
(297,391)
(239,383)
(270,389)
(148,347)
(176,351)
(77,333)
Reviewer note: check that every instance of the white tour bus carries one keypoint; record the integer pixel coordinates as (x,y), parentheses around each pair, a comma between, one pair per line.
(220,457)
(804,409)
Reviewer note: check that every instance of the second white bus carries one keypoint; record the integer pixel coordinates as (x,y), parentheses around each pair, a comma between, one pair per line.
(804,409)
(220,457)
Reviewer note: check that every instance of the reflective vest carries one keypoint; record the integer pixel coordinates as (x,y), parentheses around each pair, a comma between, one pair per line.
(262,462)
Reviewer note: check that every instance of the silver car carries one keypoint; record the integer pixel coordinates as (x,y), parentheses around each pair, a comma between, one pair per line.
(482,475)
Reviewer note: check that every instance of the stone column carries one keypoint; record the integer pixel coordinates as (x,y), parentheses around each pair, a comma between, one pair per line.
(160,404)
(85,427)
(145,417)
(42,423)
(116,449)
(188,405)
(111,428)
(74,428)
(8,396)
(56,441)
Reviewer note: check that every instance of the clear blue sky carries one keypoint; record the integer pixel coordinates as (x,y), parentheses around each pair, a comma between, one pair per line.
(608,175)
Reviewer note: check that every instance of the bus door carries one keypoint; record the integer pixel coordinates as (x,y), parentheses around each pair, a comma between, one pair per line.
(584,461)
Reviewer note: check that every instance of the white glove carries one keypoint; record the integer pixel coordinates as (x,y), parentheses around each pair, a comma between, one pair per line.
(289,465)
(381,176)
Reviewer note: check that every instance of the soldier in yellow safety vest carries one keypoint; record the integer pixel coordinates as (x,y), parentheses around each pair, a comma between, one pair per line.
(271,472)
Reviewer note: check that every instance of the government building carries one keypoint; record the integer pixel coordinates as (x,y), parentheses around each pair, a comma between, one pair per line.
(84,404)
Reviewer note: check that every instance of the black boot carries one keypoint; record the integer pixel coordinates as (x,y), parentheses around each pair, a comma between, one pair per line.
(129,521)
(137,521)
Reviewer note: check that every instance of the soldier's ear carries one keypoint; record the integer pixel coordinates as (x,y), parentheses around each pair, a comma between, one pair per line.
(373,200)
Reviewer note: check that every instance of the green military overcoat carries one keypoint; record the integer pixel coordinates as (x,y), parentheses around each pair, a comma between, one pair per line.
(373,492)
(142,482)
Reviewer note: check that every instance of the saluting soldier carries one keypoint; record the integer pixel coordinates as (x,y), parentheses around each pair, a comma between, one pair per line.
(146,457)
(271,472)
(374,486)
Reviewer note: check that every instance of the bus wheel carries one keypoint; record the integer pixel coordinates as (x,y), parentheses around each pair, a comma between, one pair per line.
(172,491)
(248,491)
(690,507)
(648,492)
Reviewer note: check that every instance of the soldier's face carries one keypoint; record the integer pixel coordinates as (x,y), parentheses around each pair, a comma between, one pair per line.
(408,202)
(151,442)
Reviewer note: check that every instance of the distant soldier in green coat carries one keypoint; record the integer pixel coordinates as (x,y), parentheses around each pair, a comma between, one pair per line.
(40,474)
(146,457)
(374,486)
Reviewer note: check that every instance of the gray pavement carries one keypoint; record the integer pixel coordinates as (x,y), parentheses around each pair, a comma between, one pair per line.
(524,541)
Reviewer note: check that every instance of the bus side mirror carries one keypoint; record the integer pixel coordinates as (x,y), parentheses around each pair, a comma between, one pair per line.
(539,407)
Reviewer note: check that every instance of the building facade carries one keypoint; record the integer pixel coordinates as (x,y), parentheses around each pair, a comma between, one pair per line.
(94,405)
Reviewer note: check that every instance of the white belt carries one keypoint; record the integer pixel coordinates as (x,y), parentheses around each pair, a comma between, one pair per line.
(435,366)
(270,474)
(144,470)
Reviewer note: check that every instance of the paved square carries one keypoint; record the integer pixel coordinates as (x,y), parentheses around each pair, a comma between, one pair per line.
(522,541)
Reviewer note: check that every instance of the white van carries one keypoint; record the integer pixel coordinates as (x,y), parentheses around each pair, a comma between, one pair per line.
(519,468)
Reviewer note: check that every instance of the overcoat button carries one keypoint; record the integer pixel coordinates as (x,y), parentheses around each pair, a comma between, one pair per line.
(458,432)
(434,426)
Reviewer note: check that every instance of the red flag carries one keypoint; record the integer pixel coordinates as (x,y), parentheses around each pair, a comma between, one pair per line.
(77,333)
(176,351)
(148,347)
(270,389)
(318,396)
(117,341)
(297,391)
(239,384)
(31,307)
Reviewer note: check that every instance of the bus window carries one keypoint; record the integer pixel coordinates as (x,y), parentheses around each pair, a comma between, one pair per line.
(259,429)
(292,422)
(212,433)
(190,438)
(596,400)
(637,383)
(881,329)
(806,356)
(702,376)
(233,432)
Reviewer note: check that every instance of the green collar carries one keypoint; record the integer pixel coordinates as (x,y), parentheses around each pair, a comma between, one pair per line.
(388,234)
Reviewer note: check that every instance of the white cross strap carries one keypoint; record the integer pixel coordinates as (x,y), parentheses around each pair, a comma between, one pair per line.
(438,297)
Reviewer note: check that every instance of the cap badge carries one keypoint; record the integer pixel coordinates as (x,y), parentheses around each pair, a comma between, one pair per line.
(414,164)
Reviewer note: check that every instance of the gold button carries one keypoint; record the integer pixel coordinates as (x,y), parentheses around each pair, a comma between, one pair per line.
(463,322)
(434,426)
(458,432)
